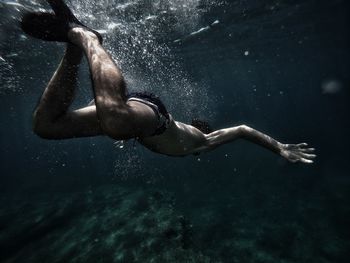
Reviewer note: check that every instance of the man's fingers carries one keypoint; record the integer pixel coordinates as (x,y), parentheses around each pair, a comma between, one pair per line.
(301,144)
(309,156)
(307,150)
(306,160)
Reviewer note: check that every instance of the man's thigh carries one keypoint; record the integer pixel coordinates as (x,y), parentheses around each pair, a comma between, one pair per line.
(79,123)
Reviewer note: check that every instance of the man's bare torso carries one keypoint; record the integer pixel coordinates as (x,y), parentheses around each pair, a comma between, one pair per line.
(179,139)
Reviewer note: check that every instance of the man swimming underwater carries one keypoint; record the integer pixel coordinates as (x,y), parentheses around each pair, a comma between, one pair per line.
(115,112)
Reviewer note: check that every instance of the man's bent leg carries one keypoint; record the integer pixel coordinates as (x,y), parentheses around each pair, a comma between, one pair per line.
(118,120)
(59,93)
(51,117)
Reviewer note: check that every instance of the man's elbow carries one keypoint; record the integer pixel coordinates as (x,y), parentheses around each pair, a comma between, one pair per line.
(209,144)
(243,130)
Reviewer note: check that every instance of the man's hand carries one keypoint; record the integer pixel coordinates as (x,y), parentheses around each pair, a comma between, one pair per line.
(297,152)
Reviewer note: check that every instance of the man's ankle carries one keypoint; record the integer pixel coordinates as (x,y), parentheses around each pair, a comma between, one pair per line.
(77,35)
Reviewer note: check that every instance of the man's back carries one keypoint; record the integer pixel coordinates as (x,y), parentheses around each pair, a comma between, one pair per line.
(179,139)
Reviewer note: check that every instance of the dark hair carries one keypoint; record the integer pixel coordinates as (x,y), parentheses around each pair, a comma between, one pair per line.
(201,125)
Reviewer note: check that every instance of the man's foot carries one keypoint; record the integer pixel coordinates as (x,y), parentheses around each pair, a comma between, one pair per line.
(62,11)
(53,27)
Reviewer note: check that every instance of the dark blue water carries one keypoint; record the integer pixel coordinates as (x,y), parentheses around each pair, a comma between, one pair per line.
(279,66)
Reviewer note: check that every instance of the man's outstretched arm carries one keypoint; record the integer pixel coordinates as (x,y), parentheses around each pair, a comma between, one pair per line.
(292,152)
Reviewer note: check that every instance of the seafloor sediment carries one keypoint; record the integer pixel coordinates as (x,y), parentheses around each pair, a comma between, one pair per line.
(118,224)
(108,224)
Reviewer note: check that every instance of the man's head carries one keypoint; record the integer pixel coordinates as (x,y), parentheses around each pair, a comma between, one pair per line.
(201,125)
